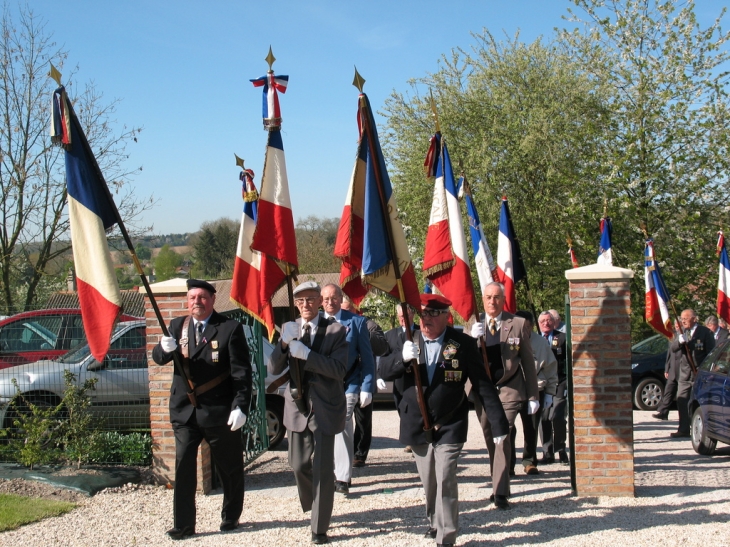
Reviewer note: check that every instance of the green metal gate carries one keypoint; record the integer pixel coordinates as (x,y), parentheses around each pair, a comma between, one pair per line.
(255,432)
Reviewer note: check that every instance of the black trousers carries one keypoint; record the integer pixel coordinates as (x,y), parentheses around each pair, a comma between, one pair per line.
(226,449)
(670,393)
(363,431)
(530,425)
(554,427)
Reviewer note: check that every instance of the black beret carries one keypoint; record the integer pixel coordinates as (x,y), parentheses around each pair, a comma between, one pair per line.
(435,301)
(200,284)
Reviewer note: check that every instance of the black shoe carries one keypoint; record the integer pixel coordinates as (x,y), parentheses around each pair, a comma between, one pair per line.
(679,435)
(181,533)
(563,458)
(500,502)
(531,469)
(319,539)
(660,416)
(546,460)
(430,533)
(228,525)
(358,462)
(341,487)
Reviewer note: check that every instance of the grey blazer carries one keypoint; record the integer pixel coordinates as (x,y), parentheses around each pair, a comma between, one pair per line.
(324,373)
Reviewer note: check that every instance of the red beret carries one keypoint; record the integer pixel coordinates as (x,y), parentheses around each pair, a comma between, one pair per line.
(435,301)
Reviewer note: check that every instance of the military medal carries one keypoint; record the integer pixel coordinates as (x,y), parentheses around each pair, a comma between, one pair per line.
(555,342)
(214,356)
(455,363)
(449,351)
(214,344)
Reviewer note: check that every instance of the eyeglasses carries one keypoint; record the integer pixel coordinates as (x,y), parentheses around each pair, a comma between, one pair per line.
(433,313)
(307,299)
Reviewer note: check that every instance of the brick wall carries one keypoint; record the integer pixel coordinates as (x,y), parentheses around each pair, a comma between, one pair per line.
(603,412)
(171,297)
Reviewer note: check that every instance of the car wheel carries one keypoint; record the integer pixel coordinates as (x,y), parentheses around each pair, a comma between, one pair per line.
(702,444)
(275,420)
(648,394)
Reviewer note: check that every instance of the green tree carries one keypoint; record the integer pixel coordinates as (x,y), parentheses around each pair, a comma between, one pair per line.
(166,263)
(668,156)
(143,253)
(315,244)
(214,249)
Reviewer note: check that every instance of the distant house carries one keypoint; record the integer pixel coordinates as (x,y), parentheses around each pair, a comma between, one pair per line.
(132,301)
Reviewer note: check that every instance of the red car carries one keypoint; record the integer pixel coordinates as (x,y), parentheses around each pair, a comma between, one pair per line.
(42,334)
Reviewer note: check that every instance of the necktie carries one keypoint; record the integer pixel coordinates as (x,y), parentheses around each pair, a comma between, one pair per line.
(307,337)
(198,333)
(492,327)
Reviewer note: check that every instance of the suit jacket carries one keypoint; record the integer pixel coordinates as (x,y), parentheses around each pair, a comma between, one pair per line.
(519,382)
(701,343)
(360,372)
(222,336)
(670,367)
(721,335)
(324,372)
(445,398)
(558,346)
(545,364)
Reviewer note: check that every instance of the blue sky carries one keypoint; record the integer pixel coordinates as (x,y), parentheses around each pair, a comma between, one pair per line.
(182,70)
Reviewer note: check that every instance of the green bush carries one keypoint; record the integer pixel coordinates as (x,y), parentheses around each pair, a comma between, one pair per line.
(124,448)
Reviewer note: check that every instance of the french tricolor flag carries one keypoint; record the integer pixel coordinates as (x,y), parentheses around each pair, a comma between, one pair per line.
(657,296)
(483,258)
(445,258)
(605,256)
(246,287)
(723,285)
(271,84)
(510,268)
(91,213)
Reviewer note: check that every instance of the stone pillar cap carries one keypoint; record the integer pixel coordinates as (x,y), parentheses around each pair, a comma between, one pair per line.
(595,272)
(171,286)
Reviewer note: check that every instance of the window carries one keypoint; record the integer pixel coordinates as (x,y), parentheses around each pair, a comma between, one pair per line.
(36,335)
(128,351)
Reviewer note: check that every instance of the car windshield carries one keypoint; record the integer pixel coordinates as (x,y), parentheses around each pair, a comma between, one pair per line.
(651,346)
(79,354)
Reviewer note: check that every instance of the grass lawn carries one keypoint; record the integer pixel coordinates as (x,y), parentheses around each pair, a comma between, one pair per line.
(18,510)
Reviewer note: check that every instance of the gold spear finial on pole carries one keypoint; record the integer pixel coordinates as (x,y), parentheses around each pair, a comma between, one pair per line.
(642,225)
(569,240)
(435,112)
(239,162)
(270,59)
(55,74)
(605,206)
(359,81)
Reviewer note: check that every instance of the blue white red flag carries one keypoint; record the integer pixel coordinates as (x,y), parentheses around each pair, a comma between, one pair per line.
(274,234)
(657,296)
(91,213)
(271,84)
(445,258)
(247,286)
(605,256)
(428,287)
(483,259)
(510,268)
(723,285)
(363,242)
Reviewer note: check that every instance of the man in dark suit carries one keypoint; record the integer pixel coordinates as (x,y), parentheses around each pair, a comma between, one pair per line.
(319,348)
(698,341)
(713,324)
(512,368)
(215,358)
(670,388)
(554,426)
(443,358)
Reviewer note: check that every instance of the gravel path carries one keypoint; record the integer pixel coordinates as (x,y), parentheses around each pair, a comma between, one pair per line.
(681,499)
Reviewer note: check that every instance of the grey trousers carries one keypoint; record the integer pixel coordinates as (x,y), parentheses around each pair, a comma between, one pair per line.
(499,456)
(311,456)
(345,442)
(437,468)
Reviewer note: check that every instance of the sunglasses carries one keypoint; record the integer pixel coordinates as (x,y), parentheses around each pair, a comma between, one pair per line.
(433,313)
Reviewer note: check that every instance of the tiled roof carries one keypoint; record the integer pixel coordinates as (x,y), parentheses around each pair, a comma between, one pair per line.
(281,298)
(132,301)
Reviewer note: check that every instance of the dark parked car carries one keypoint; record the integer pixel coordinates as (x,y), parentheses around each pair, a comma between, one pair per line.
(647,371)
(709,405)
(42,334)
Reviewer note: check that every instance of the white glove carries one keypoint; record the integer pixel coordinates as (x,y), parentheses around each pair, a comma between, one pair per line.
(532,407)
(381,384)
(477,329)
(499,440)
(548,401)
(298,350)
(237,419)
(365,399)
(289,331)
(410,351)
(681,338)
(168,344)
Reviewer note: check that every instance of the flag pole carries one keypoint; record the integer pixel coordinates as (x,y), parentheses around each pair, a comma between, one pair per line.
(365,120)
(153,302)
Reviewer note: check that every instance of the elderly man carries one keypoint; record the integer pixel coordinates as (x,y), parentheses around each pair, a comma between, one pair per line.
(512,368)
(694,340)
(554,425)
(713,324)
(558,323)
(215,359)
(443,358)
(319,348)
(359,379)
(546,367)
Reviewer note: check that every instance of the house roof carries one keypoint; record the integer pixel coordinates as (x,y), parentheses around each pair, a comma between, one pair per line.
(132,301)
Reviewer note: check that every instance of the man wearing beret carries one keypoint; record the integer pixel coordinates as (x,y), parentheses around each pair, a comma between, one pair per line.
(512,368)
(215,358)
(319,349)
(444,358)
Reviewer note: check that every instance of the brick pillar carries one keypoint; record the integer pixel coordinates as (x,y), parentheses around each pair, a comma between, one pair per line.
(171,297)
(600,321)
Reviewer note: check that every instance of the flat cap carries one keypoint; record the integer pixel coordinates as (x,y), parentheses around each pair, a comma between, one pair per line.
(307,286)
(200,284)
(435,301)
